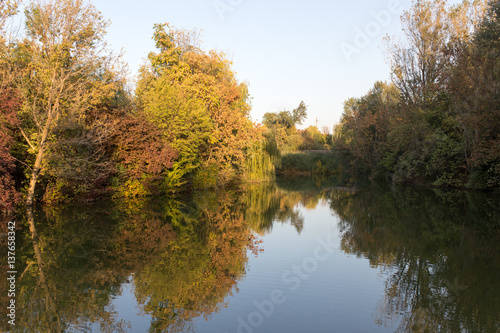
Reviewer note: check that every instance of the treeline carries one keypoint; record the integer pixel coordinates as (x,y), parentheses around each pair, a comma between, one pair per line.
(71,128)
(438,122)
(294,151)
(282,135)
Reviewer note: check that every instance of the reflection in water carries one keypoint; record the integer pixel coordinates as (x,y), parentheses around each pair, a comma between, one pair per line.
(200,267)
(267,204)
(440,250)
(47,298)
(186,255)
(185,260)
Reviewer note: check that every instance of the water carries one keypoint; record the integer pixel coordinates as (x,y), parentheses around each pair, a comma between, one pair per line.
(293,256)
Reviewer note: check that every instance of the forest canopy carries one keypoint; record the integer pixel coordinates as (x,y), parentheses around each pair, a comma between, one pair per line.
(70,127)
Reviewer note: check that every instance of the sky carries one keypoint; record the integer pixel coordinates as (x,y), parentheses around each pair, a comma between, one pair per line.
(321,52)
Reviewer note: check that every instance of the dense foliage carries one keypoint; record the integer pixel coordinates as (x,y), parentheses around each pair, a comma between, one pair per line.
(196,101)
(284,137)
(438,122)
(70,128)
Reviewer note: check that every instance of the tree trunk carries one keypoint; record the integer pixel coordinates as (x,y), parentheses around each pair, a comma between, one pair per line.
(34,177)
(38,164)
(49,300)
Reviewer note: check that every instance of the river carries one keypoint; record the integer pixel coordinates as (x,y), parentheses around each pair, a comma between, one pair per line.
(295,255)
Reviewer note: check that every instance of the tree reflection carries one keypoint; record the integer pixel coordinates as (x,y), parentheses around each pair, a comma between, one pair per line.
(270,203)
(200,267)
(440,251)
(68,276)
(186,256)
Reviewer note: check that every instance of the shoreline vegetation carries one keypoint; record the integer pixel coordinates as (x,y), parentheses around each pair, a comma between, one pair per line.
(72,129)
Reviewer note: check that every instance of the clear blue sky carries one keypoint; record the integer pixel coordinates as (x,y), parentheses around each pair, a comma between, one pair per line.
(287,51)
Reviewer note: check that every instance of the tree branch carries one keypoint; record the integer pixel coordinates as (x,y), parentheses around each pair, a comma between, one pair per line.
(27,140)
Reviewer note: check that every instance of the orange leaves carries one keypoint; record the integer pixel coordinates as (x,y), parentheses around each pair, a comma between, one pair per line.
(206,80)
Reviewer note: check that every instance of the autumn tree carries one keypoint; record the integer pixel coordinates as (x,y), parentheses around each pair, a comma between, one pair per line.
(442,129)
(418,60)
(474,90)
(64,70)
(313,139)
(366,124)
(10,102)
(194,97)
(8,10)
(142,157)
(9,105)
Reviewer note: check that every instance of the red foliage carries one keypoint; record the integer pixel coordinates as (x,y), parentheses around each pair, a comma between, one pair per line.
(10,102)
(141,149)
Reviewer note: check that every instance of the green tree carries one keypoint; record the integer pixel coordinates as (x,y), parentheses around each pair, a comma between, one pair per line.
(286,118)
(281,133)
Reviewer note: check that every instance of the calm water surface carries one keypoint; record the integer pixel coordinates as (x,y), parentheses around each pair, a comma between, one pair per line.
(297,255)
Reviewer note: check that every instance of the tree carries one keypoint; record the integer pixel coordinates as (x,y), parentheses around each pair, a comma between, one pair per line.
(281,134)
(366,123)
(8,9)
(446,115)
(64,71)
(313,139)
(141,155)
(286,118)
(183,121)
(484,119)
(194,97)
(418,61)
(299,114)
(473,90)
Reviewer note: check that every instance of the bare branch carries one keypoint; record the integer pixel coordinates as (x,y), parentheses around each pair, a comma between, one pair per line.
(26,138)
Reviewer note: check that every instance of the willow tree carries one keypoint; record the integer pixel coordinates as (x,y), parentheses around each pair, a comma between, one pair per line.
(63,71)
